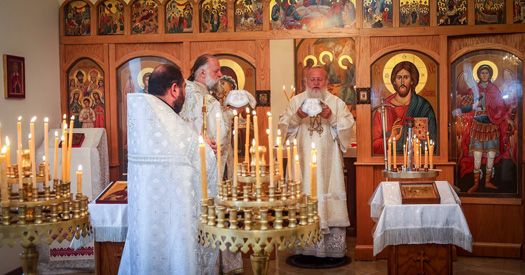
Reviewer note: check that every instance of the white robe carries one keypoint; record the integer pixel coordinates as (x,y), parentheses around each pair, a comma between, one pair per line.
(192,113)
(331,189)
(164,191)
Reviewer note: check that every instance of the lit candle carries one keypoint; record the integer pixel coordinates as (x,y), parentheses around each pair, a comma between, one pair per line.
(394,153)
(404,155)
(313,176)
(218,120)
(294,148)
(7,153)
(290,160)
(204,181)
(3,176)
(33,160)
(313,152)
(19,133)
(284,91)
(247,147)
(64,120)
(417,158)
(70,146)
(79,180)
(270,146)
(64,156)
(280,154)
(297,171)
(428,138)
(420,154)
(257,164)
(235,146)
(56,154)
(426,156)
(46,145)
(431,154)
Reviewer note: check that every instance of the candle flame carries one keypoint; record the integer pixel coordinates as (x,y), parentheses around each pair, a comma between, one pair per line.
(33,119)
(268,131)
(313,146)
(20,118)
(29,137)
(254,113)
(234,132)
(234,112)
(80,168)
(4,149)
(56,134)
(296,157)
(44,158)
(72,117)
(46,120)
(314,159)
(278,132)
(63,138)
(291,87)
(217,115)
(65,126)
(287,142)
(7,141)
(284,87)
(201,140)
(248,110)
(253,142)
(64,116)
(294,142)
(268,113)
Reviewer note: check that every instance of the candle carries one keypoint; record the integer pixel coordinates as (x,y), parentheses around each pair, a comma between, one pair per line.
(280,153)
(247,147)
(420,154)
(270,146)
(204,182)
(33,160)
(46,172)
(218,120)
(0,134)
(428,138)
(64,120)
(46,149)
(404,155)
(284,91)
(389,151)
(313,152)
(426,156)
(431,154)
(3,176)
(70,145)
(289,158)
(79,180)
(64,156)
(19,152)
(257,157)
(294,148)
(56,154)
(394,153)
(417,159)
(313,176)
(7,153)
(297,171)
(235,146)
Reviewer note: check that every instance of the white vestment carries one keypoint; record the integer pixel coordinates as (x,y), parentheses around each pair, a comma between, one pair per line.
(330,144)
(192,113)
(164,191)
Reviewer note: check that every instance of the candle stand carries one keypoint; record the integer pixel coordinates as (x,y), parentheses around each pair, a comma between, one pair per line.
(258,216)
(30,214)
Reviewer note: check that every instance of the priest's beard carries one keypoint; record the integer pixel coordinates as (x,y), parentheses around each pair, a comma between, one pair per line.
(212,84)
(310,93)
(178,103)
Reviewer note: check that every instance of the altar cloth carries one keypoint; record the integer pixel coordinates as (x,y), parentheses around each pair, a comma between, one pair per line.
(418,223)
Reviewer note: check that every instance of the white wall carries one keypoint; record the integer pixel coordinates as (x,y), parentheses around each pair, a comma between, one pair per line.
(29,28)
(281,73)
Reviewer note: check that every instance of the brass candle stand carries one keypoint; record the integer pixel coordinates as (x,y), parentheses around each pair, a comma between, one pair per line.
(257,216)
(30,214)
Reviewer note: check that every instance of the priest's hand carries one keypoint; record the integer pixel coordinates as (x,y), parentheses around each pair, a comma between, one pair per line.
(326,112)
(212,144)
(301,114)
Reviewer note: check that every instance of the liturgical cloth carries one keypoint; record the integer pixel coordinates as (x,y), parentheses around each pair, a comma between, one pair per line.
(164,191)
(418,223)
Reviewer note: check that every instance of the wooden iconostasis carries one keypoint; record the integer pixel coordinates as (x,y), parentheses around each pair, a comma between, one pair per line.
(108,48)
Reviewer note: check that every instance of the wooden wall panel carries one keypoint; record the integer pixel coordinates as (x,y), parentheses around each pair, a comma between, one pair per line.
(426,43)
(511,42)
(73,52)
(262,64)
(244,49)
(173,50)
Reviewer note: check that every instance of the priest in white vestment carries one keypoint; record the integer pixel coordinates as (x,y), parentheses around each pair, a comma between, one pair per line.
(164,183)
(330,131)
(204,77)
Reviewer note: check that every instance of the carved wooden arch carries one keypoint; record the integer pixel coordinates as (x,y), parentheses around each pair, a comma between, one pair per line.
(130,56)
(404,47)
(76,59)
(63,16)
(486,46)
(242,55)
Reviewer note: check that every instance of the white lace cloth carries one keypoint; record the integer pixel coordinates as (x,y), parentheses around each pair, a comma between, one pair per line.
(418,223)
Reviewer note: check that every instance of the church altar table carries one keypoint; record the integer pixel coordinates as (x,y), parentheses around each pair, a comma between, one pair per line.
(93,156)
(427,229)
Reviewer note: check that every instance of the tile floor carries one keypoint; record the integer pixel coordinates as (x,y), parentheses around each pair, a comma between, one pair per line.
(463,266)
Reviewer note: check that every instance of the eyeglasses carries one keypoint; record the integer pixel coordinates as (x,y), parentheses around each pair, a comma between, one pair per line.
(319,79)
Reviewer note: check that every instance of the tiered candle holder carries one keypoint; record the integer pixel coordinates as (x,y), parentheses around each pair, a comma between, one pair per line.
(258,216)
(30,214)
